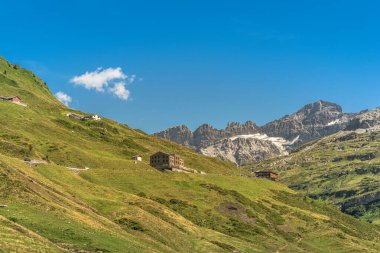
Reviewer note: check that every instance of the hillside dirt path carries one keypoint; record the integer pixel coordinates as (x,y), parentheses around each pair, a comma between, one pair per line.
(77,170)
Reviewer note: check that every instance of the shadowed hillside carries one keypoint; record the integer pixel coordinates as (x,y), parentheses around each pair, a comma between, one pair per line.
(342,169)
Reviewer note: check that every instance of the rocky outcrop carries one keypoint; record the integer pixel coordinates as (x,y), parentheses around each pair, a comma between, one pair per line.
(179,134)
(365,120)
(206,135)
(361,200)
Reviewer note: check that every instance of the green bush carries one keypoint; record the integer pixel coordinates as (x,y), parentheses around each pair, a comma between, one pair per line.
(130,224)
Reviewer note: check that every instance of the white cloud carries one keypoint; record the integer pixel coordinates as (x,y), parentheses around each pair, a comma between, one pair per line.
(63,97)
(111,80)
(120,91)
(98,79)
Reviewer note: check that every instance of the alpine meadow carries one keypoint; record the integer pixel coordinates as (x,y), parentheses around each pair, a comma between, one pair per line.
(189,126)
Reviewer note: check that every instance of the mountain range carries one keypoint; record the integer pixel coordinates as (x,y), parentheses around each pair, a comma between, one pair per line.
(246,143)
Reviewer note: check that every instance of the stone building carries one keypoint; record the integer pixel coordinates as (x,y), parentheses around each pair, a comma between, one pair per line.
(267,174)
(164,161)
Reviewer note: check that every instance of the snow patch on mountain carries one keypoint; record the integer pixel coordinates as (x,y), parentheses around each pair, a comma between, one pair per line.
(280,142)
(334,122)
(245,148)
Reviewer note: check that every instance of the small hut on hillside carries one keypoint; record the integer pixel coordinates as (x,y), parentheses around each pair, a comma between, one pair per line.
(137,158)
(14,99)
(92,117)
(271,175)
(83,117)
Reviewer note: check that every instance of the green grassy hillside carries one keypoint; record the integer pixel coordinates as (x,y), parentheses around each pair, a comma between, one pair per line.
(118,205)
(342,169)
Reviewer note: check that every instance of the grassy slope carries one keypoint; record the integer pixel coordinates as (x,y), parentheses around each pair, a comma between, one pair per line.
(120,206)
(342,168)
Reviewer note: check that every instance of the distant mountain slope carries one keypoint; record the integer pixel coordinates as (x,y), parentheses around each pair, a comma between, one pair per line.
(365,120)
(206,135)
(242,149)
(343,169)
(313,121)
(119,205)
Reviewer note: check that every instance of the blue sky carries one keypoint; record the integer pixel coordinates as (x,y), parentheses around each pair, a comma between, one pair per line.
(191,62)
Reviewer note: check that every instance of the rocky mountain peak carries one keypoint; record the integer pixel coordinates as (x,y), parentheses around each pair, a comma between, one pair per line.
(181,127)
(205,135)
(180,134)
(320,112)
(204,128)
(310,122)
(232,125)
(320,107)
(236,128)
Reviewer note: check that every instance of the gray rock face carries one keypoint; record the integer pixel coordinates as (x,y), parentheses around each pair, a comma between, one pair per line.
(243,149)
(244,143)
(365,120)
(313,121)
(206,135)
(179,134)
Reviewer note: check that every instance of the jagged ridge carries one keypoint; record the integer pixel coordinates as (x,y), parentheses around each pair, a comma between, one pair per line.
(311,122)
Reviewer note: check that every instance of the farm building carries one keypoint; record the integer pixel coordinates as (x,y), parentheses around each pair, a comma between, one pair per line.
(96,117)
(93,117)
(267,174)
(137,158)
(15,100)
(84,117)
(164,161)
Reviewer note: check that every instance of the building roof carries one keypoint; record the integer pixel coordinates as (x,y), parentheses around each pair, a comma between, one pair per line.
(266,171)
(160,152)
(8,98)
